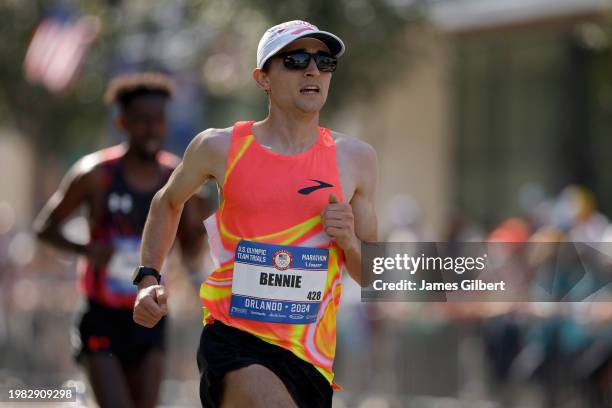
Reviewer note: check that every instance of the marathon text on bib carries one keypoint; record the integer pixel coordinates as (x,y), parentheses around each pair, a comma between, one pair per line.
(278,283)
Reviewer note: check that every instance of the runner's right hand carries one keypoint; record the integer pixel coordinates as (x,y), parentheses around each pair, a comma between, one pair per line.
(151,305)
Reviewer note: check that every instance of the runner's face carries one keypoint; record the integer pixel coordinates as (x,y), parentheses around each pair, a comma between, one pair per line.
(304,89)
(144,120)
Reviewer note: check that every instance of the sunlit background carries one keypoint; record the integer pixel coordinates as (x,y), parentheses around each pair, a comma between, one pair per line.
(491,119)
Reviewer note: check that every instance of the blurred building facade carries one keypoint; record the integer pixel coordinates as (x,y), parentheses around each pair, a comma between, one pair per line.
(500,96)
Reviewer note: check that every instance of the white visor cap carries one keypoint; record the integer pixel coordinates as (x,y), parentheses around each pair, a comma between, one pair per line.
(277,37)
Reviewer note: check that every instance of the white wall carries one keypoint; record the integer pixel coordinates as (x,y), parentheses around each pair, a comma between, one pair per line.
(16,176)
(408,123)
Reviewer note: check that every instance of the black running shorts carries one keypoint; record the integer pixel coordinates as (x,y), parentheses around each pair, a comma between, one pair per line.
(224,349)
(101,329)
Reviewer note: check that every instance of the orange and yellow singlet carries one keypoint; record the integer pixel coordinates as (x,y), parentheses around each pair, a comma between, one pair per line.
(278,273)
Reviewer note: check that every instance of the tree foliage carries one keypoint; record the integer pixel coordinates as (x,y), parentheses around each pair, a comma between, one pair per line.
(72,122)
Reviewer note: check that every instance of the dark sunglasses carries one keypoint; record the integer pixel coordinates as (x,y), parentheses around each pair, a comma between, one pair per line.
(297,60)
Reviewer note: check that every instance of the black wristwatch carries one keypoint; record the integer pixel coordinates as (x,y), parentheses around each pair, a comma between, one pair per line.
(141,271)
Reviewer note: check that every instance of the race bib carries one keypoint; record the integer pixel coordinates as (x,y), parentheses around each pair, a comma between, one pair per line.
(126,257)
(278,283)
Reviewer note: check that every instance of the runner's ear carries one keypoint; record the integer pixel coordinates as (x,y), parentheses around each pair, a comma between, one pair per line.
(261,79)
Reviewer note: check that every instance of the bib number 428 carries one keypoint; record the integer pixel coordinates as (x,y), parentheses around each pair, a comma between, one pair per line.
(312,295)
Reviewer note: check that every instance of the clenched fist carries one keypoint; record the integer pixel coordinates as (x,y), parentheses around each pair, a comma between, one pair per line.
(338,222)
(151,305)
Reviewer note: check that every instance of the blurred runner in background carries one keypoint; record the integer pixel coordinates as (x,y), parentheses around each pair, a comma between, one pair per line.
(123,360)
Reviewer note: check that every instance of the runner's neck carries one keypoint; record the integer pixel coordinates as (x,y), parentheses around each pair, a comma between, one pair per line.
(140,175)
(287,135)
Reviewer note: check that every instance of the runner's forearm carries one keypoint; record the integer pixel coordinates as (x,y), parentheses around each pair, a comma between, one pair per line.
(52,236)
(352,261)
(160,230)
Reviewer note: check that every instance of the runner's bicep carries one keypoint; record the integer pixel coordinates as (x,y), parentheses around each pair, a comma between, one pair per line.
(363,202)
(364,214)
(180,187)
(189,175)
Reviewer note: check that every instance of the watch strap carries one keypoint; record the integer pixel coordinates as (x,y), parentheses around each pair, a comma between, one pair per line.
(141,271)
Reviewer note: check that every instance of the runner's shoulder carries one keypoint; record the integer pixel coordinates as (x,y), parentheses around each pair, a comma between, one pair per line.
(168,159)
(357,150)
(88,170)
(213,142)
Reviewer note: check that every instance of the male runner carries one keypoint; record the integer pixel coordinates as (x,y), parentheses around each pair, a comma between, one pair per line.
(123,360)
(297,201)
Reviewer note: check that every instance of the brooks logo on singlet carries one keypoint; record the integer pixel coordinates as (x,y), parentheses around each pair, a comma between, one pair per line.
(308,190)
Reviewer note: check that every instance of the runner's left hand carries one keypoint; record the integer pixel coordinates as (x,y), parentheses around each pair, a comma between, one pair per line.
(338,222)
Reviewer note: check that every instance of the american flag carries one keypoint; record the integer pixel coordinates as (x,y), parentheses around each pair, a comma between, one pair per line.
(57,50)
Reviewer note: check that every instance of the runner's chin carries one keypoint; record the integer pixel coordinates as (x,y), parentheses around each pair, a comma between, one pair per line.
(149,153)
(311,103)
